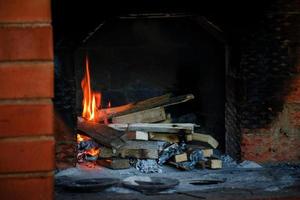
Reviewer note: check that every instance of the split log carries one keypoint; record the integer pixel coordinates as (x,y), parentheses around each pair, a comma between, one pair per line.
(101,133)
(207,152)
(146,116)
(168,137)
(140,149)
(137,135)
(114,163)
(139,153)
(106,152)
(172,138)
(161,101)
(132,150)
(161,128)
(130,153)
(180,157)
(214,164)
(204,138)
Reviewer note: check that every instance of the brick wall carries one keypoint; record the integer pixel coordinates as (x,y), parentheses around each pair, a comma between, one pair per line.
(26,89)
(270,108)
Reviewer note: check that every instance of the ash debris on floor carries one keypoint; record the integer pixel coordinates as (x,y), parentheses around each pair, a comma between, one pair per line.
(246,176)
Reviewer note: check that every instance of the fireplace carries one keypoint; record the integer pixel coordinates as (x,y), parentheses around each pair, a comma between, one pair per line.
(240,75)
(225,75)
(156,54)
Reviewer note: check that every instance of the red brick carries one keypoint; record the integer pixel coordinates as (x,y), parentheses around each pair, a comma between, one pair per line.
(30,188)
(26,155)
(26,80)
(26,43)
(294,115)
(294,93)
(25,11)
(26,118)
(271,148)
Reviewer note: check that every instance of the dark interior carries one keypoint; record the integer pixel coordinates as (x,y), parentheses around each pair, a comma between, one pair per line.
(140,49)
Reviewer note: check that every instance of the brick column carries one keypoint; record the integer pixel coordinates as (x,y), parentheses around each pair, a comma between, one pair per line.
(271,134)
(26,89)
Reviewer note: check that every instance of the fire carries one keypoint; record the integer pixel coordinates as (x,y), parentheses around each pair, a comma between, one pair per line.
(81,138)
(93,151)
(91,100)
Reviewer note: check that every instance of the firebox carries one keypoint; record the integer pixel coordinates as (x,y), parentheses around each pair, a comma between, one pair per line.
(135,57)
(152,101)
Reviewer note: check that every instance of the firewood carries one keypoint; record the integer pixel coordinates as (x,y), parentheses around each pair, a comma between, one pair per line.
(145,116)
(189,137)
(101,133)
(161,101)
(114,163)
(162,128)
(207,152)
(137,135)
(139,153)
(205,139)
(129,152)
(164,101)
(168,119)
(214,164)
(172,138)
(180,157)
(106,152)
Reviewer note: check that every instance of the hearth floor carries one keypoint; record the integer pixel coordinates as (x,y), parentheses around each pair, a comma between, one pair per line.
(280,181)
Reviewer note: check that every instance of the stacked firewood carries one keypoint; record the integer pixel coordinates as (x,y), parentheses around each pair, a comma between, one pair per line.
(143,131)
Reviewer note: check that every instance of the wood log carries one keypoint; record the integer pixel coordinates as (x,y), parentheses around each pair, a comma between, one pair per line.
(114,163)
(161,128)
(139,153)
(204,138)
(146,116)
(180,157)
(140,149)
(106,152)
(214,164)
(172,138)
(161,101)
(164,101)
(137,135)
(207,152)
(168,137)
(132,150)
(101,133)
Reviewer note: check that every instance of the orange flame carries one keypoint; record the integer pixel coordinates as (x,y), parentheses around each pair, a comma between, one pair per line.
(93,151)
(91,100)
(81,138)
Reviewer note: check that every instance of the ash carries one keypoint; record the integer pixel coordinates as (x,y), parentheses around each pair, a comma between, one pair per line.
(147,166)
(267,178)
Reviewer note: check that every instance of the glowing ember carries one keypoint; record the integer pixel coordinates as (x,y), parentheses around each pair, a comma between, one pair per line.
(91,100)
(93,151)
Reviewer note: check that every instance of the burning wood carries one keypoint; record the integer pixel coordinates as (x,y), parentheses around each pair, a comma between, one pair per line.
(102,134)
(135,134)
